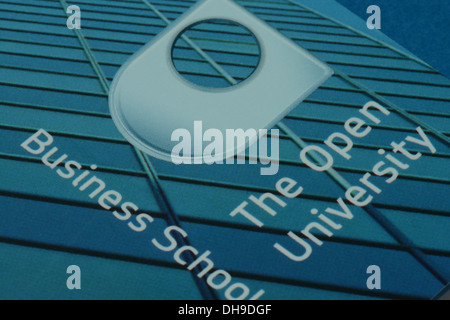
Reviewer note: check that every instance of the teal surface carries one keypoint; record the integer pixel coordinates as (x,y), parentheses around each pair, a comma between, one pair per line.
(47,81)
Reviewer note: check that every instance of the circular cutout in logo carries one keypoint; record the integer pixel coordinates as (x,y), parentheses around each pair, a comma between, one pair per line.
(216,53)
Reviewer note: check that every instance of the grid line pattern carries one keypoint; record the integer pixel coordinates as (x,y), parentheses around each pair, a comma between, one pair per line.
(109,59)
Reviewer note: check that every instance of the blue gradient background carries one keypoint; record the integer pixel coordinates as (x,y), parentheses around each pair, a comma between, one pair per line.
(421,26)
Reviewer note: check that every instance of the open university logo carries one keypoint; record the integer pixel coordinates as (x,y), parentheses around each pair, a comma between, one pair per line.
(149,99)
